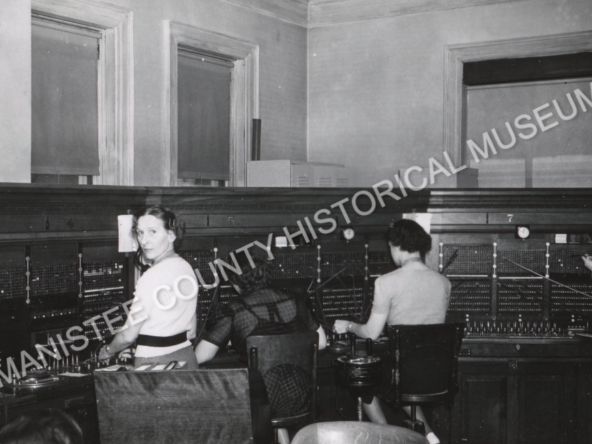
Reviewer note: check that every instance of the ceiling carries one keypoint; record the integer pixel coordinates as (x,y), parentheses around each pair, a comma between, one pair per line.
(315,13)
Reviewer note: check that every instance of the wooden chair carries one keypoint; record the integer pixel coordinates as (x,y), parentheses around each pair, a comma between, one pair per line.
(200,406)
(299,349)
(425,364)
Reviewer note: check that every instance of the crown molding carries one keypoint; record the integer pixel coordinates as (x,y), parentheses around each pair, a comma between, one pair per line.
(291,11)
(328,12)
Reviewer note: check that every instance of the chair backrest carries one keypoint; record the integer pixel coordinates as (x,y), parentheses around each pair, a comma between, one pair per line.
(355,432)
(202,406)
(294,348)
(425,360)
(299,349)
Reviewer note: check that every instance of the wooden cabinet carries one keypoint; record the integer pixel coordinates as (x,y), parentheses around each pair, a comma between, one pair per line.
(522,401)
(584,395)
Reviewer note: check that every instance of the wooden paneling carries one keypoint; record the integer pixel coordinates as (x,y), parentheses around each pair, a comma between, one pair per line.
(584,404)
(519,401)
(484,407)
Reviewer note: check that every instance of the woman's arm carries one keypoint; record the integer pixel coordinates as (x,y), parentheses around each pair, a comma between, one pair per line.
(122,340)
(371,329)
(205,351)
(378,316)
(587,261)
(192,333)
(322,338)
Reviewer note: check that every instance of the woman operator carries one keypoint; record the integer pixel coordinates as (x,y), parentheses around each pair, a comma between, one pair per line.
(162,318)
(264,310)
(412,294)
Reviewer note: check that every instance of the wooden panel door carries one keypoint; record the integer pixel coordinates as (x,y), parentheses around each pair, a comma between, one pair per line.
(584,403)
(480,409)
(545,410)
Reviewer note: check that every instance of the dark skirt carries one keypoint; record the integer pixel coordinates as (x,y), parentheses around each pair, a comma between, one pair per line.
(185,354)
(288,389)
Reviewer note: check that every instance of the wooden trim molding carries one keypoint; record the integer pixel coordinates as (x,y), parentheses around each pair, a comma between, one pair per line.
(116,84)
(244,93)
(61,212)
(327,12)
(291,11)
(457,55)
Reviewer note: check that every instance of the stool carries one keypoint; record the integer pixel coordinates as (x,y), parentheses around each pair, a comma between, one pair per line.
(360,374)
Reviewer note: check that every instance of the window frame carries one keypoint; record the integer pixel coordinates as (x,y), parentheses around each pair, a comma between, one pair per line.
(211,179)
(115,85)
(457,55)
(244,93)
(84,30)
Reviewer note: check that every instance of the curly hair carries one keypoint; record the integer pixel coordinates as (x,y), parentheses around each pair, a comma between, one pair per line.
(42,427)
(410,236)
(169,220)
(252,278)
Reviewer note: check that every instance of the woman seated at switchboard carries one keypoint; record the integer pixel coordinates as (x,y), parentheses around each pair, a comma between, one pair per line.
(263,310)
(412,294)
(162,318)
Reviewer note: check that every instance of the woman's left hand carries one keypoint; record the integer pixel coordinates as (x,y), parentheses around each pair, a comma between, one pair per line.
(340,326)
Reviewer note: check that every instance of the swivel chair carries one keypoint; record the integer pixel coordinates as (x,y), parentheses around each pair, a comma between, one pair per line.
(425,365)
(352,432)
(298,349)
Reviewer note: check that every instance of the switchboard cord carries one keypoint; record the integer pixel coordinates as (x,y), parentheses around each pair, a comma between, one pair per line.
(461,295)
(331,278)
(337,276)
(450,261)
(549,279)
(524,296)
(542,302)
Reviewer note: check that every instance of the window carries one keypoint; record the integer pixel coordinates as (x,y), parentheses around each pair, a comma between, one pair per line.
(203,119)
(535,113)
(486,82)
(100,37)
(220,61)
(65,133)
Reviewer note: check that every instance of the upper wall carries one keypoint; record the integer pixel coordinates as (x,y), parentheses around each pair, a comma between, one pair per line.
(282,76)
(282,79)
(376,87)
(15,90)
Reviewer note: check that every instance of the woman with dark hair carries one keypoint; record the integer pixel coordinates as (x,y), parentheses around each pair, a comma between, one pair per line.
(162,318)
(412,294)
(263,310)
(42,427)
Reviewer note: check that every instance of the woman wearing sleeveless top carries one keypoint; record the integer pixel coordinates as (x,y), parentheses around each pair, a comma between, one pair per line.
(411,294)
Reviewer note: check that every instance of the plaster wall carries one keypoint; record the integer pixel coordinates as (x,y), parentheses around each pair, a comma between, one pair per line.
(376,87)
(15,91)
(282,80)
(282,76)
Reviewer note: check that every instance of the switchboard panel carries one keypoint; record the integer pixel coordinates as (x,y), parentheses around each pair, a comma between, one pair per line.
(531,285)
